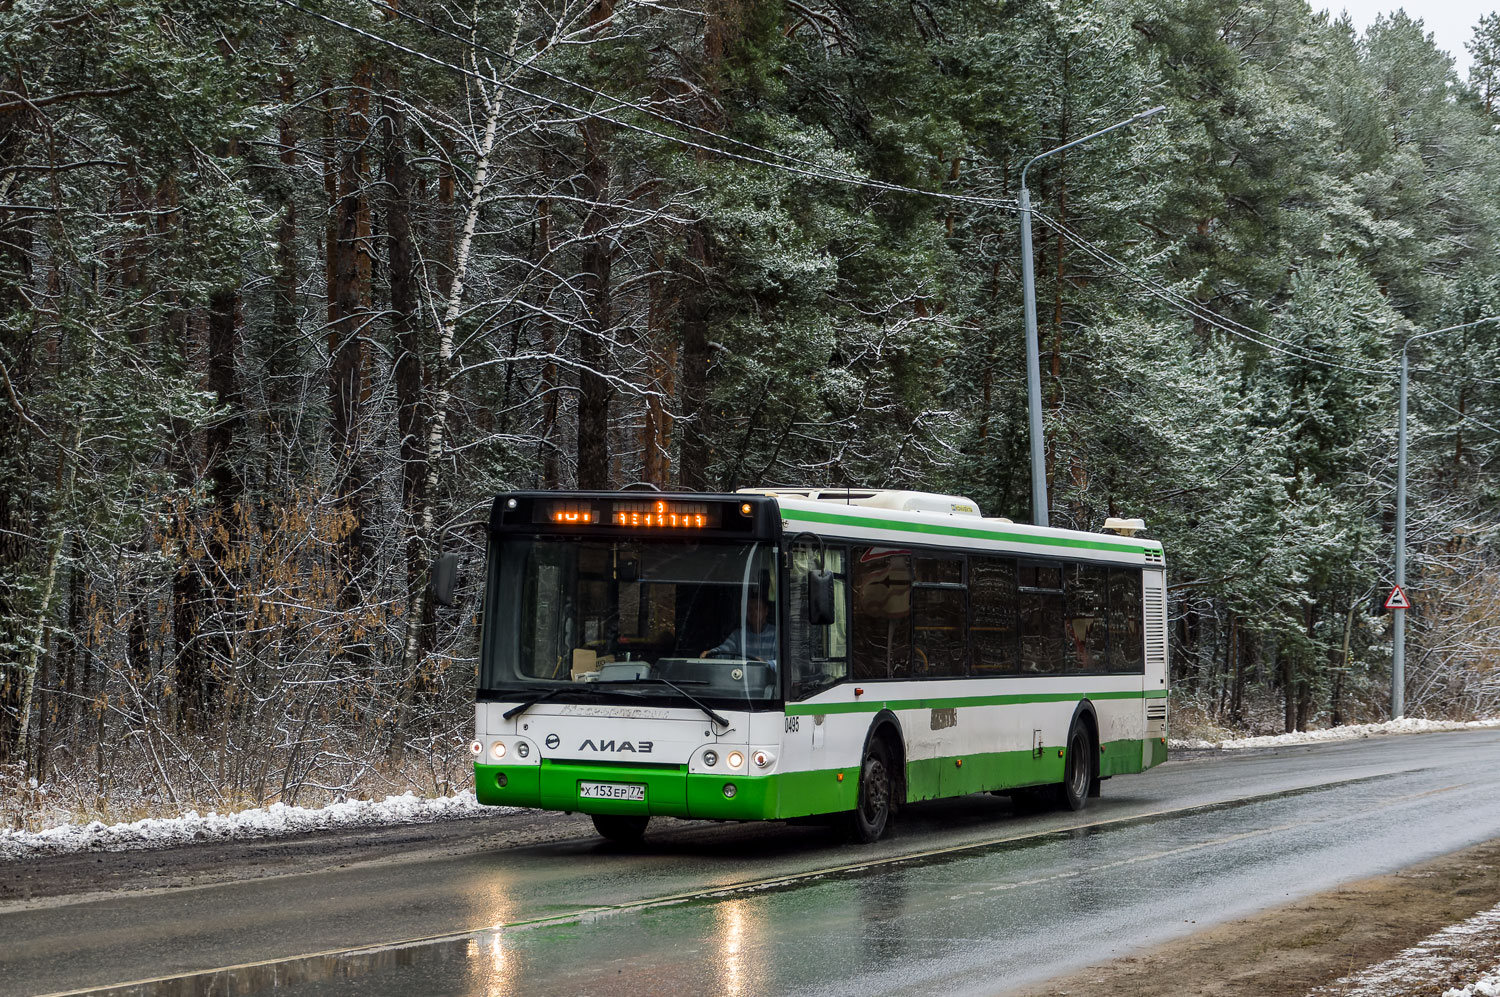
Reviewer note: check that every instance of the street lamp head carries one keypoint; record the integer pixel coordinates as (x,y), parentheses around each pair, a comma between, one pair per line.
(1092,135)
(1446,328)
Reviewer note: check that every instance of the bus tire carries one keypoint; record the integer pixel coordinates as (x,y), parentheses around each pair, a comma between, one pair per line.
(627,828)
(1078,771)
(872,812)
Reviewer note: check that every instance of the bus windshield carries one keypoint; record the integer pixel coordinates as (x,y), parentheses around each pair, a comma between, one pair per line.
(667,618)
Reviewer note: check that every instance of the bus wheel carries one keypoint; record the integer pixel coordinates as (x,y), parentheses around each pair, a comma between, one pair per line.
(1078,775)
(868,821)
(621,827)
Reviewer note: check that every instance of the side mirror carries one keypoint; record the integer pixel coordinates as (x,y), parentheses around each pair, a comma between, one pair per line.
(820,597)
(444,578)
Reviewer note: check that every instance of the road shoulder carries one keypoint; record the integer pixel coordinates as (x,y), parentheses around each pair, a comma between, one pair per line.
(71,878)
(1313,942)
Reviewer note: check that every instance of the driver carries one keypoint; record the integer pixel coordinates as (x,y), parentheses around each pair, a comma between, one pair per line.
(759,633)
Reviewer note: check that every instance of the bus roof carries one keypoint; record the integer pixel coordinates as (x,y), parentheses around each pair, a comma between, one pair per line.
(887,518)
(831,515)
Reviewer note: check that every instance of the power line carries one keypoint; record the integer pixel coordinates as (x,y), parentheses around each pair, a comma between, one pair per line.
(1463,416)
(1245,332)
(1451,375)
(817,173)
(619,102)
(1197,311)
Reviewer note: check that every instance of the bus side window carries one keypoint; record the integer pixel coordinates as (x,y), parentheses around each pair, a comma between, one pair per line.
(1041,618)
(880,620)
(992,615)
(939,609)
(1087,634)
(1126,642)
(819,654)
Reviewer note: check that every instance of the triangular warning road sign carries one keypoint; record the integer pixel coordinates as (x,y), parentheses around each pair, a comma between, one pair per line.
(1397,599)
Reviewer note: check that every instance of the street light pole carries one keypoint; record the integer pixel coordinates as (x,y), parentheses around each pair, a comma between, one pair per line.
(1033,366)
(1398,622)
(1028,296)
(1398,616)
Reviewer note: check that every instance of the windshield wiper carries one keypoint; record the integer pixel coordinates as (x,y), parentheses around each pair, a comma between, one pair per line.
(686,695)
(527,704)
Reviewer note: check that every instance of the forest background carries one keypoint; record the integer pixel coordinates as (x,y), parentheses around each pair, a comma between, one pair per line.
(284,302)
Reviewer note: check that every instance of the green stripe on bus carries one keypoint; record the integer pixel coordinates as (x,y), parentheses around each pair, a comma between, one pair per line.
(783,795)
(940,703)
(834,519)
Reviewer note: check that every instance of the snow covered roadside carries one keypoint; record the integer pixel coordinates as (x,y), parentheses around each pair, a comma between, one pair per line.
(1467,950)
(276,820)
(279,820)
(1406,725)
(1487,987)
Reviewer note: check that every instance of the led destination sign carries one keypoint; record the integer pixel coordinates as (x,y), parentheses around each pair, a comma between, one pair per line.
(665,515)
(655,514)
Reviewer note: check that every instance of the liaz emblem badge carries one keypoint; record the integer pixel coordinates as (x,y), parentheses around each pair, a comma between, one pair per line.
(553,740)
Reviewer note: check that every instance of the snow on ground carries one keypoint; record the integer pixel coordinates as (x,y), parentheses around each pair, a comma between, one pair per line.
(1461,951)
(1406,725)
(1487,987)
(276,820)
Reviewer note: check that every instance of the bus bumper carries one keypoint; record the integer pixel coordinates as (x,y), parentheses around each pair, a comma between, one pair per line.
(669,792)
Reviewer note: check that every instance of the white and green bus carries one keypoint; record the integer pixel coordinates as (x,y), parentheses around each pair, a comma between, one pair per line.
(786,654)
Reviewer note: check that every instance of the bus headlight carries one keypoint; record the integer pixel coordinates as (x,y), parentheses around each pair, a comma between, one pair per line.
(763,758)
(735,759)
(498,750)
(710,758)
(476,749)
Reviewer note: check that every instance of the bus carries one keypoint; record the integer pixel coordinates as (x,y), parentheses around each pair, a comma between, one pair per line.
(805,654)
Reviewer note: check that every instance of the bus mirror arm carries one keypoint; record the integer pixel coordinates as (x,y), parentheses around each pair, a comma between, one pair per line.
(820,597)
(444,578)
(819,584)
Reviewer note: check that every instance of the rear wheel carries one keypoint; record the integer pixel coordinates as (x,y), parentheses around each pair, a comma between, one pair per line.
(1078,772)
(873,813)
(621,827)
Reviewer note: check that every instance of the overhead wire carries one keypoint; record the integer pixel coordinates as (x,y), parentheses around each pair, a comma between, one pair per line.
(815,173)
(618,102)
(807,168)
(1241,330)
(1237,329)
(1463,416)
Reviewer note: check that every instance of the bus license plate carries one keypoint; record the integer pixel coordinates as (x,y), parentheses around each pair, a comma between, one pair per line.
(611,791)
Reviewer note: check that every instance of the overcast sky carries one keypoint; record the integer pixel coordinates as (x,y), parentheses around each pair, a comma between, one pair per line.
(1451,21)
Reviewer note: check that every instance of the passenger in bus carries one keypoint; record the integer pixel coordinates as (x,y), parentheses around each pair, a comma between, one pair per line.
(758,633)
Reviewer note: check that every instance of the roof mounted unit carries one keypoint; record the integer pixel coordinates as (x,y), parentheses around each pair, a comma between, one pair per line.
(899,501)
(1124,527)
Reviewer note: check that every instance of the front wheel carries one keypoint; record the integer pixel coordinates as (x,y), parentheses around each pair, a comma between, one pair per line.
(621,827)
(868,822)
(1078,773)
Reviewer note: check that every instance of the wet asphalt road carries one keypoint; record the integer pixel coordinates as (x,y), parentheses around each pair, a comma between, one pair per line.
(966,896)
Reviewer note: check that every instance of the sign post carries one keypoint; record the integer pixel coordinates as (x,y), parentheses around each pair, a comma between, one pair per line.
(1398,604)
